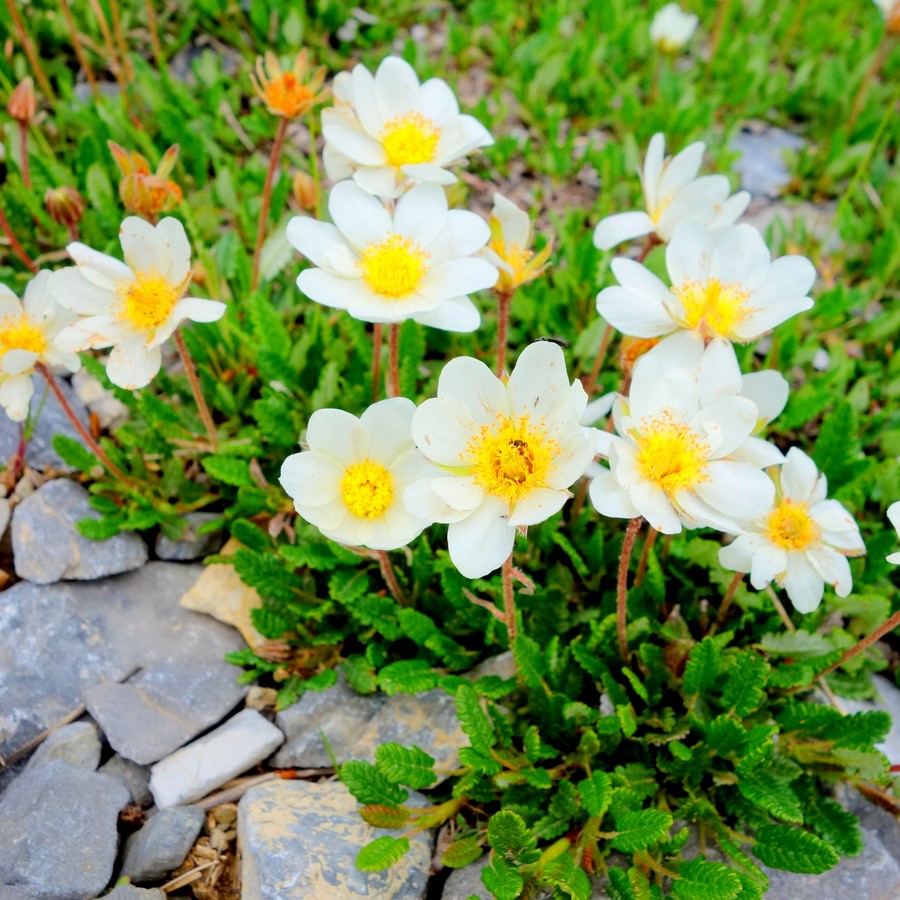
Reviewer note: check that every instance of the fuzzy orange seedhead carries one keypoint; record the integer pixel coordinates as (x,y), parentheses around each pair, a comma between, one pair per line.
(22,103)
(290,94)
(65,205)
(143,191)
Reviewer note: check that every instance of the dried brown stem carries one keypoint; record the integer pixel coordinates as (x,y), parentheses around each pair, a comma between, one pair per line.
(727,600)
(892,623)
(191,372)
(274,159)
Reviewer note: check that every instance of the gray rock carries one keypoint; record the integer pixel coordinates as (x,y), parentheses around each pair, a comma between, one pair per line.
(191,545)
(234,747)
(52,421)
(163,844)
(129,892)
(503,665)
(47,546)
(135,778)
(761,162)
(164,707)
(56,642)
(466,882)
(78,744)
(872,818)
(888,701)
(58,831)
(300,840)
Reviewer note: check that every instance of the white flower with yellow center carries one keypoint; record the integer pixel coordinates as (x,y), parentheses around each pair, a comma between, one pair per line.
(350,482)
(673,194)
(675,459)
(509,249)
(672,28)
(893,514)
(28,335)
(509,451)
(724,285)
(801,541)
(387,131)
(418,263)
(132,306)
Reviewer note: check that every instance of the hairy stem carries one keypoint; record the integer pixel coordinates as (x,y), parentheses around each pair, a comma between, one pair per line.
(631,533)
(509,602)
(376,360)
(191,372)
(390,577)
(274,159)
(645,556)
(892,623)
(393,387)
(726,602)
(504,299)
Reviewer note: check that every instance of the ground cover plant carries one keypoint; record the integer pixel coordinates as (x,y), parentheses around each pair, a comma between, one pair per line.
(497,341)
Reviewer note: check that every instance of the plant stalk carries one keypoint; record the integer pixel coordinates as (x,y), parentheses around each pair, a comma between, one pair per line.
(504,299)
(631,533)
(726,602)
(645,556)
(14,243)
(892,623)
(33,58)
(376,360)
(509,602)
(23,151)
(390,577)
(79,49)
(191,372)
(393,386)
(314,171)
(274,159)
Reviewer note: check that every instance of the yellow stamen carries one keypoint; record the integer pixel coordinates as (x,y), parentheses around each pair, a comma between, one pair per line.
(410,139)
(670,454)
(394,267)
(712,308)
(367,489)
(791,527)
(512,457)
(147,301)
(21,334)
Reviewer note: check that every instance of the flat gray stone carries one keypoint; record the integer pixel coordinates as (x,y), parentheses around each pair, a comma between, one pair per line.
(58,831)
(52,421)
(163,844)
(299,840)
(164,707)
(466,882)
(56,642)
(234,747)
(77,744)
(47,546)
(872,818)
(129,892)
(888,701)
(135,778)
(191,545)
(761,164)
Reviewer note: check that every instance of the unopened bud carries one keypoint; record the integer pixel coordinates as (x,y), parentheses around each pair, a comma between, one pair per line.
(22,103)
(304,190)
(64,205)
(632,349)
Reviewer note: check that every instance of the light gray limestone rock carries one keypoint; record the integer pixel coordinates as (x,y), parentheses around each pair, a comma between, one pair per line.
(77,744)
(191,545)
(129,892)
(163,843)
(47,546)
(135,778)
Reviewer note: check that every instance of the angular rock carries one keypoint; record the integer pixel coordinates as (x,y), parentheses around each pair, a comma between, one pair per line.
(466,883)
(234,747)
(52,421)
(191,545)
(135,778)
(58,641)
(300,840)
(47,546)
(58,831)
(163,707)
(129,892)
(163,844)
(77,744)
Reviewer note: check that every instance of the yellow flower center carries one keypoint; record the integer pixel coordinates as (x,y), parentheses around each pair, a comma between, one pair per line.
(394,267)
(791,527)
(287,96)
(147,301)
(512,457)
(515,258)
(368,489)
(710,307)
(21,334)
(410,139)
(671,454)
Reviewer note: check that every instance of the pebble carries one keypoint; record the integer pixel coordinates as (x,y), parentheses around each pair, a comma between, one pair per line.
(194,771)
(163,843)
(58,831)
(300,840)
(77,744)
(191,545)
(135,778)
(56,642)
(47,546)
(164,707)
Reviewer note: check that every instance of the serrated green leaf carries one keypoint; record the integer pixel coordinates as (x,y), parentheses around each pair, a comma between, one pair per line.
(473,720)
(595,792)
(765,787)
(74,453)
(379,815)
(703,666)
(268,623)
(461,852)
(360,674)
(381,853)
(228,470)
(794,850)
(407,676)
(369,785)
(502,880)
(530,660)
(568,878)
(702,880)
(640,829)
(510,838)
(831,821)
(405,765)
(744,689)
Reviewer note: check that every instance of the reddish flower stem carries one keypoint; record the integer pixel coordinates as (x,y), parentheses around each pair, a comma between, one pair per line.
(390,577)
(726,602)
(376,360)
(634,526)
(393,387)
(504,298)
(509,602)
(191,372)
(645,555)
(14,243)
(274,159)
(892,623)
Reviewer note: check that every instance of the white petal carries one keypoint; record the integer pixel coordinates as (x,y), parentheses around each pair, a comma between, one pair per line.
(198,310)
(680,170)
(833,567)
(738,555)
(653,504)
(758,453)
(338,434)
(73,291)
(15,362)
(769,562)
(437,101)
(333,290)
(634,314)
(621,227)
(473,386)
(457,314)
(15,396)
(457,278)
(736,489)
(689,253)
(732,419)
(132,364)
(538,506)
(311,479)
(804,585)
(697,202)
(108,267)
(92,333)
(175,249)
(380,182)
(423,501)
(720,374)
(652,170)
(428,173)
(731,210)
(482,542)
(421,214)
(315,240)
(838,527)
(37,301)
(459,492)
(799,476)
(389,423)
(354,144)
(442,430)
(768,390)
(464,234)
(610,498)
(396,88)
(515,223)
(360,217)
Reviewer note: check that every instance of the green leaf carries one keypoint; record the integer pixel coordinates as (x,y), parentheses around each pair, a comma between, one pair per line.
(502,880)
(369,785)
(702,880)
(473,720)
(268,623)
(264,572)
(98,529)
(530,660)
(744,689)
(595,793)
(381,853)
(228,470)
(565,875)
(703,667)
(832,822)
(379,815)
(461,852)
(794,850)
(510,838)
(407,676)
(767,788)
(360,674)
(405,765)
(837,442)
(74,453)
(641,829)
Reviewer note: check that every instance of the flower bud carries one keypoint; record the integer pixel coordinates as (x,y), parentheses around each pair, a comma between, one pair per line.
(672,28)
(304,190)
(64,205)
(22,103)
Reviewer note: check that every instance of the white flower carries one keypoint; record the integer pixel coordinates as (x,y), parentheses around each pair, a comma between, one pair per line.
(893,514)
(724,285)
(672,28)
(801,542)
(415,264)
(135,306)
(887,6)
(675,459)
(387,130)
(350,481)
(509,451)
(28,335)
(511,234)
(672,194)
